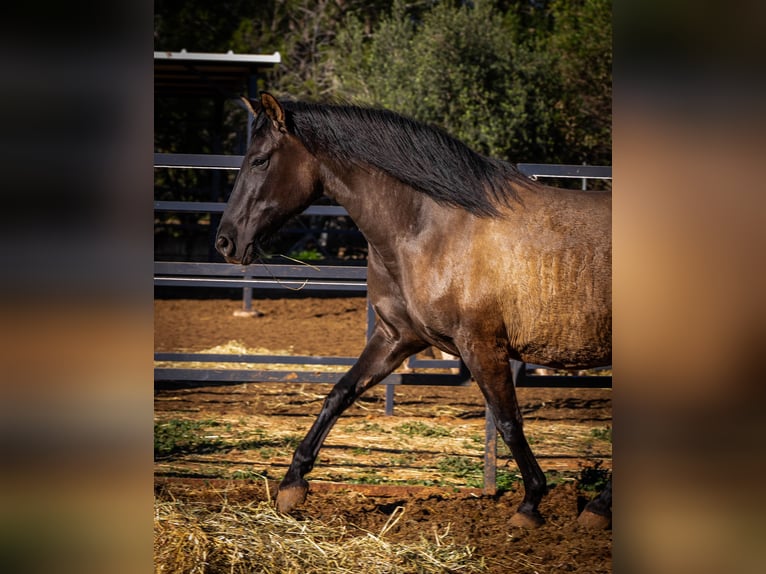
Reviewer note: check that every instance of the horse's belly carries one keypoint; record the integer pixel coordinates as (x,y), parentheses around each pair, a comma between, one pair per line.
(598,354)
(557,307)
(552,307)
(574,340)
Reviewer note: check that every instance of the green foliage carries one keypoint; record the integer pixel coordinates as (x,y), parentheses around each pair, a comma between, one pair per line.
(520,80)
(419,428)
(176,436)
(524,84)
(302,31)
(582,44)
(307,255)
(266,446)
(371,476)
(604,434)
(183,436)
(463,467)
(199,25)
(405,459)
(367,427)
(453,69)
(593,478)
(506,481)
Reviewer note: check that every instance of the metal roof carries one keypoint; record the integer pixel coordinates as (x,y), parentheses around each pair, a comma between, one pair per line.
(208,74)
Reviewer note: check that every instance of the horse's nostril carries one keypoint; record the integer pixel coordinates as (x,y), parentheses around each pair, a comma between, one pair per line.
(224,245)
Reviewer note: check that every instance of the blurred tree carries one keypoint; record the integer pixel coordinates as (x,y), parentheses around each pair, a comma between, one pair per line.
(301,30)
(526,80)
(531,83)
(200,25)
(581,45)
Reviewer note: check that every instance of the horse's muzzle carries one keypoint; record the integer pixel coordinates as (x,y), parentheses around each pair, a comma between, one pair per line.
(228,248)
(225,246)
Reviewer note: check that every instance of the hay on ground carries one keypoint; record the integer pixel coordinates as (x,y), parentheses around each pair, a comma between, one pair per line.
(193,538)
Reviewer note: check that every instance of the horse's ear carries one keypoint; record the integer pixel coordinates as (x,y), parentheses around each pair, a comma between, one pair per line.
(249,105)
(274,111)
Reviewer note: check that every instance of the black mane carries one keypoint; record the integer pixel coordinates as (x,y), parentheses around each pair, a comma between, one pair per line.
(424,157)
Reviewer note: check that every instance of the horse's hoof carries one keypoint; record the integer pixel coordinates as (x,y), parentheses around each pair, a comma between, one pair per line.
(523,520)
(594,521)
(291,496)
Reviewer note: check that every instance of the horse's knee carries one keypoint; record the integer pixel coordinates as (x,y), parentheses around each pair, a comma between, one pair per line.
(340,397)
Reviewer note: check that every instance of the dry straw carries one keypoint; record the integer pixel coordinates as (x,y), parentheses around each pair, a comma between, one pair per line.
(194,538)
(239,348)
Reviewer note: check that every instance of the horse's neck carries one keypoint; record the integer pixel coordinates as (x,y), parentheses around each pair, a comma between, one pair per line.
(385,210)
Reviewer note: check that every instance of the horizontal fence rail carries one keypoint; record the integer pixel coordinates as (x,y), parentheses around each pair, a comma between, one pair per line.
(263,276)
(536,170)
(218,207)
(322,279)
(233,162)
(197,161)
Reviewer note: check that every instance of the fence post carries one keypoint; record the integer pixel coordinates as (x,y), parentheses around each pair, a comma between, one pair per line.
(247,297)
(490,452)
(247,300)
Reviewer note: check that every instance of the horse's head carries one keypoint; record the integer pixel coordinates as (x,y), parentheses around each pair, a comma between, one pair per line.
(278,178)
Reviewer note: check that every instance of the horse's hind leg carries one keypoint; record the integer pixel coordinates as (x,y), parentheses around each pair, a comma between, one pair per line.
(497,377)
(385,350)
(598,512)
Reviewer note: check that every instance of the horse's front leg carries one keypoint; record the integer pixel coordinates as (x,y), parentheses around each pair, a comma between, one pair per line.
(383,353)
(497,377)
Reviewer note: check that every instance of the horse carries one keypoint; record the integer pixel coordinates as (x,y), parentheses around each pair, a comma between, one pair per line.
(466,254)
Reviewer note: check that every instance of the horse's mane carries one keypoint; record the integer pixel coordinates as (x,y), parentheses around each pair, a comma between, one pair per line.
(426,158)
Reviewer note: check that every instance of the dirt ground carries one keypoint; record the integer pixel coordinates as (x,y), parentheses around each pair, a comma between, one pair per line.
(411,459)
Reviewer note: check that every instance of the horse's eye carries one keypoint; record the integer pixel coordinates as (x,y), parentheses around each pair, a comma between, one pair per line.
(260,163)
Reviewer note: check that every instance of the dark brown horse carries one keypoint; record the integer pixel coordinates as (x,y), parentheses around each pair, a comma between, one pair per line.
(465,254)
